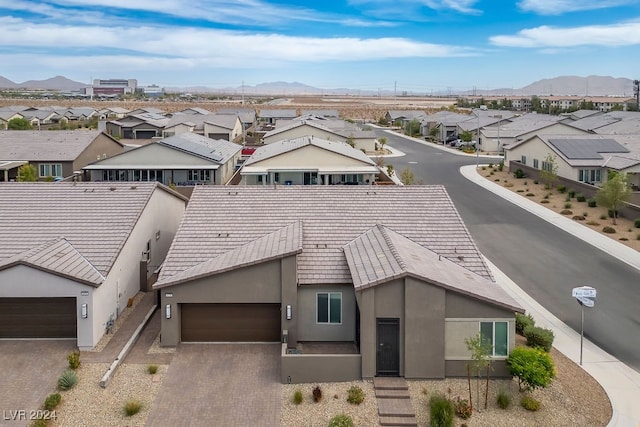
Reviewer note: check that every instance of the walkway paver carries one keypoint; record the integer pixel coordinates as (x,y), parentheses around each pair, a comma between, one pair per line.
(394,402)
(221,385)
(140,351)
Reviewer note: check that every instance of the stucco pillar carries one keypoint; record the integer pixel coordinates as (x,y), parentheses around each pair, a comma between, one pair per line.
(289,297)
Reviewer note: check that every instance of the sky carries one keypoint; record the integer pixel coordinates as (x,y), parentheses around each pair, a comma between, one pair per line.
(366,45)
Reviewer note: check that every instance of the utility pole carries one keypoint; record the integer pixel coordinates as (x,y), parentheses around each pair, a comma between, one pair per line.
(395,86)
(636,90)
(243,92)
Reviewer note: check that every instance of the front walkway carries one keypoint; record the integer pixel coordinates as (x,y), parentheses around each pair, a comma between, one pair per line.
(222,385)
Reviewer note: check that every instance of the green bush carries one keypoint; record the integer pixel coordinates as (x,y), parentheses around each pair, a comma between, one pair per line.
(532,367)
(566,212)
(608,230)
(317,394)
(440,411)
(132,407)
(567,205)
(636,223)
(581,197)
(536,182)
(522,321)
(462,408)
(501,165)
(529,403)
(67,380)
(592,202)
(74,359)
(530,195)
(152,369)
(567,199)
(603,216)
(519,174)
(562,188)
(539,337)
(52,401)
(40,422)
(503,400)
(341,420)
(544,201)
(297,396)
(355,395)
(572,193)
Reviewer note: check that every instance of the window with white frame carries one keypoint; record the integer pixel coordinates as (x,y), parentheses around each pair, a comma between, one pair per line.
(589,175)
(50,169)
(547,166)
(497,334)
(329,307)
(200,175)
(535,163)
(523,160)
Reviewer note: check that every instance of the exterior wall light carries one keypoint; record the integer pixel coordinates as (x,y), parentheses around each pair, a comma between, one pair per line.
(289,311)
(167,311)
(84,311)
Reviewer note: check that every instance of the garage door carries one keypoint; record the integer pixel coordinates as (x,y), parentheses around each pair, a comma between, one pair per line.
(222,136)
(230,322)
(145,134)
(38,318)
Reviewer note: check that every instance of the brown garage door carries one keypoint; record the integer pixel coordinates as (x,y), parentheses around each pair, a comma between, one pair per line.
(38,318)
(230,322)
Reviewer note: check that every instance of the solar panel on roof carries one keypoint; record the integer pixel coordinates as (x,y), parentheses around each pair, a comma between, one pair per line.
(587,148)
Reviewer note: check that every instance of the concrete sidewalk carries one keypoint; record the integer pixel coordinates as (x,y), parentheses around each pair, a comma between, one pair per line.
(620,382)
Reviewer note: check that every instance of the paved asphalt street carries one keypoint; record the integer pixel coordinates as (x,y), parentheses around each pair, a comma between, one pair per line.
(542,259)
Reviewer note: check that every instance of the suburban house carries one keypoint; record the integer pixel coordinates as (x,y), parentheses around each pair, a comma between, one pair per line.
(138,126)
(335,130)
(112,113)
(402,117)
(271,116)
(247,116)
(214,126)
(494,138)
(583,158)
(186,159)
(614,122)
(446,123)
(72,254)
(54,154)
(308,160)
(6,116)
(332,114)
(354,282)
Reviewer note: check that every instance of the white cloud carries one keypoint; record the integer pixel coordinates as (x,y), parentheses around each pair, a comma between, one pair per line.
(401,7)
(215,47)
(623,34)
(558,7)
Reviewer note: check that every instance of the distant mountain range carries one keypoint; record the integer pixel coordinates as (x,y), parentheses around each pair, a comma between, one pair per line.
(564,85)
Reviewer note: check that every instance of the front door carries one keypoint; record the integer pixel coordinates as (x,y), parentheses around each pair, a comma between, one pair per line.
(388,350)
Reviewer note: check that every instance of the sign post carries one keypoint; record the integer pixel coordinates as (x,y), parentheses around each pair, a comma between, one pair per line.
(585,295)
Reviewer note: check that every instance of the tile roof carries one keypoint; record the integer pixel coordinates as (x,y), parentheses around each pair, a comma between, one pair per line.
(57,145)
(380,254)
(331,217)
(277,113)
(218,150)
(93,218)
(283,242)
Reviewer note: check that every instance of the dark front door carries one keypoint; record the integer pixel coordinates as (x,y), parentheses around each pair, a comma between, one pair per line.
(388,350)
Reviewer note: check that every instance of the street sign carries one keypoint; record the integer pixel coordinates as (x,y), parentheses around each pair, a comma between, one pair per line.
(584,292)
(586,301)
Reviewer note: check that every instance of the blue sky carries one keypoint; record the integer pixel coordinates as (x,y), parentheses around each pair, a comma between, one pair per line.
(414,45)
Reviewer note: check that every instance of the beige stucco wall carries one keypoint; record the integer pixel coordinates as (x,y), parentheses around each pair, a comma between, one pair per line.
(310,330)
(314,368)
(100,146)
(309,157)
(536,149)
(303,130)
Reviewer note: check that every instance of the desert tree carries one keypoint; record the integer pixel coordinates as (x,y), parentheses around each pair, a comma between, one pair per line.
(613,193)
(549,172)
(27,173)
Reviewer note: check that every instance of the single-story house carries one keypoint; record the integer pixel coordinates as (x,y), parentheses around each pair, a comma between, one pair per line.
(271,116)
(112,113)
(247,115)
(363,281)
(214,126)
(582,158)
(361,139)
(308,160)
(138,126)
(54,154)
(186,159)
(6,116)
(402,117)
(72,254)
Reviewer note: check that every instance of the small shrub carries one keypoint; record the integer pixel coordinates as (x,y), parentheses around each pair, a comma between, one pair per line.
(152,369)
(532,367)
(341,420)
(536,182)
(297,396)
(623,239)
(608,230)
(567,205)
(567,199)
(572,193)
(440,411)
(578,218)
(525,183)
(581,197)
(544,201)
(593,222)
(74,359)
(539,337)
(490,165)
(67,380)
(497,179)
(52,401)
(529,403)
(636,223)
(484,168)
(585,213)
(522,321)
(530,195)
(132,407)
(562,189)
(603,216)
(503,400)
(40,422)
(547,186)
(592,202)
(546,196)
(520,190)
(519,174)
(491,173)
(566,212)
(317,394)
(462,408)
(501,165)
(355,395)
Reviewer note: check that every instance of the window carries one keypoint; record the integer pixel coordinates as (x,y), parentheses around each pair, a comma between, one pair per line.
(589,175)
(329,307)
(50,169)
(276,177)
(497,334)
(523,160)
(535,163)
(199,175)
(547,166)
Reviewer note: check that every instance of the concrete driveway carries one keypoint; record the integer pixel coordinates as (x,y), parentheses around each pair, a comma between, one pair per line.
(220,384)
(30,370)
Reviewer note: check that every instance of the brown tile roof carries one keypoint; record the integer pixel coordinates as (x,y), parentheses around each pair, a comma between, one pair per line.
(331,217)
(94,218)
(45,145)
(380,255)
